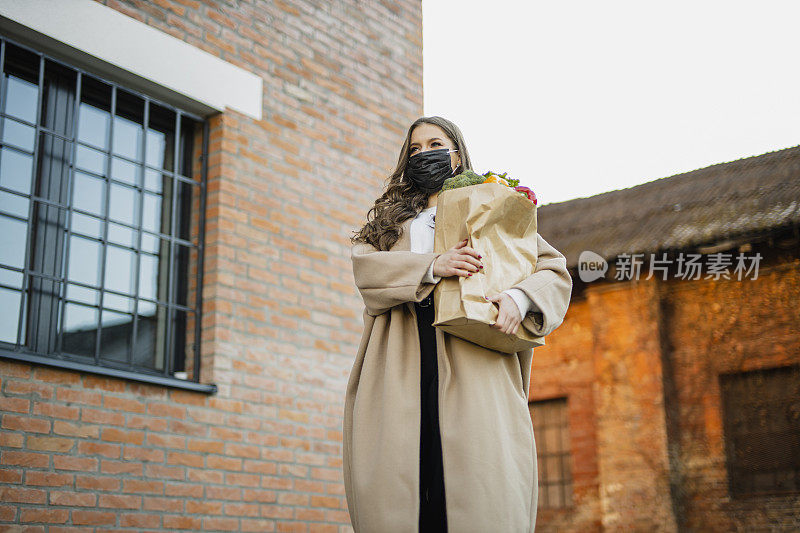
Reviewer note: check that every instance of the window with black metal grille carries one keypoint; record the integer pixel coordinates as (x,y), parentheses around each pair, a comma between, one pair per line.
(761,416)
(102,193)
(554,460)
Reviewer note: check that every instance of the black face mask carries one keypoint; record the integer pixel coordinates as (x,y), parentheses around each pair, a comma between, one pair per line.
(428,170)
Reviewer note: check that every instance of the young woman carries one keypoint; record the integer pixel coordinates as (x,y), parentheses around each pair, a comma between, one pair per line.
(437,433)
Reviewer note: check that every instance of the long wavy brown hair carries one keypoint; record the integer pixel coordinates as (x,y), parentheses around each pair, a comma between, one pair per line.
(401,199)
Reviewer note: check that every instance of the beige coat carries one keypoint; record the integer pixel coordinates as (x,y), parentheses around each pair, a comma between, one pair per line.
(488,448)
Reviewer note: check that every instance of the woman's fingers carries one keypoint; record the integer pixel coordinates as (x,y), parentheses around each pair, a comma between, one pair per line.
(508,327)
(511,326)
(506,320)
(467,265)
(472,261)
(461,268)
(460,260)
(504,324)
(464,249)
(501,326)
(470,251)
(500,321)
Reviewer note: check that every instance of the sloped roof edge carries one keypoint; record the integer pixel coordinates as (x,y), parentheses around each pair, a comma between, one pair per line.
(745,196)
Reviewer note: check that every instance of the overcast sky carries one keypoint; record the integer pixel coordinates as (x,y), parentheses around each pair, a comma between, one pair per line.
(575,98)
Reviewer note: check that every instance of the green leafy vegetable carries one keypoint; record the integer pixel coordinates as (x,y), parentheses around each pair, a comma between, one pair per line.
(464,179)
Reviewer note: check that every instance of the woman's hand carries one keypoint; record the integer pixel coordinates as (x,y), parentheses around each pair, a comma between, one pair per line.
(460,260)
(508,318)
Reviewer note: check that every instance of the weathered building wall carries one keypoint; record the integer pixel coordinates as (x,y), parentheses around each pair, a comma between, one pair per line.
(564,367)
(722,328)
(648,444)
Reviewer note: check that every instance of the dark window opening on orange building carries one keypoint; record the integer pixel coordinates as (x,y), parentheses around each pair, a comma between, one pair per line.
(551,429)
(761,413)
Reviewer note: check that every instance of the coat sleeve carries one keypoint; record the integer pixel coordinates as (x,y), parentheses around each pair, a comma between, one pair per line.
(389,278)
(549,288)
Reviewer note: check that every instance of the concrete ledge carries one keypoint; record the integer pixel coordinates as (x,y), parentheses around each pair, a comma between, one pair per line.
(110,44)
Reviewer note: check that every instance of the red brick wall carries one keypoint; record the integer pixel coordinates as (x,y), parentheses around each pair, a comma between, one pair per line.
(639,363)
(605,359)
(721,328)
(563,368)
(282,319)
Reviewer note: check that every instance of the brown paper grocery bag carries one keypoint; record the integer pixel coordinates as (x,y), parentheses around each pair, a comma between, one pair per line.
(500,224)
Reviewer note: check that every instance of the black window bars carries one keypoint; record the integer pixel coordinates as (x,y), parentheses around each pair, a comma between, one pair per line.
(102,224)
(553,452)
(761,421)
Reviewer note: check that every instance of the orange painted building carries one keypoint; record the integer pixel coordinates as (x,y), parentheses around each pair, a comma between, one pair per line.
(673,403)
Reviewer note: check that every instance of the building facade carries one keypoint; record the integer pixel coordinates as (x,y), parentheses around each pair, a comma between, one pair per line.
(180,180)
(670,398)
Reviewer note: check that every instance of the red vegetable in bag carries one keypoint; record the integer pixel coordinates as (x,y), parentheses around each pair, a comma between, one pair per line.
(527,192)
